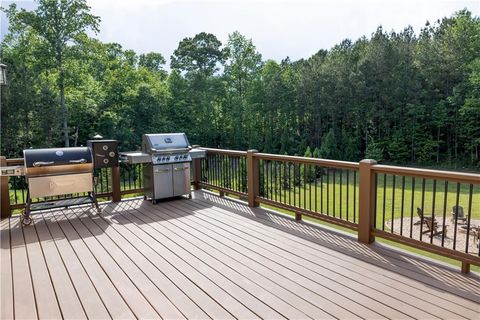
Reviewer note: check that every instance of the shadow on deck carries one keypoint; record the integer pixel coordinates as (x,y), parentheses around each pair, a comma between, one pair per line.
(212,257)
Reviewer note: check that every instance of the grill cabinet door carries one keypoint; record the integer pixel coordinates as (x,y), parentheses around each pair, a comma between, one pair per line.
(181,178)
(162,181)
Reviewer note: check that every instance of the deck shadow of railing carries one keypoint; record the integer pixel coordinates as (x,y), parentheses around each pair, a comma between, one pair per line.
(405,264)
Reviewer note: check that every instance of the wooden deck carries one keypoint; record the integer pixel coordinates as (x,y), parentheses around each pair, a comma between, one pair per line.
(213,258)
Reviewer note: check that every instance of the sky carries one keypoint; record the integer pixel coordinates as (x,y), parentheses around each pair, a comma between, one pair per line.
(278,28)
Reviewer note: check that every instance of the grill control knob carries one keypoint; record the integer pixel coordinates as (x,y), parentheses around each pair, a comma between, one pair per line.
(168,158)
(111,154)
(105,160)
(176,157)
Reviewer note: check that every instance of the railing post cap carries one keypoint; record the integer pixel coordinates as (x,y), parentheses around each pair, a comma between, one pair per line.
(252,150)
(369,161)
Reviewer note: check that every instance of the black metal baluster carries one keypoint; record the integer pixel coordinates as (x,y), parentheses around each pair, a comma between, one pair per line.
(294,185)
(316,182)
(402,210)
(470,196)
(309,187)
(275,180)
(433,209)
(384,199)
(412,205)
(422,219)
(304,186)
(341,178)
(456,216)
(289,183)
(321,190)
(334,191)
(393,202)
(348,188)
(375,203)
(129,178)
(445,197)
(106,181)
(280,181)
(15,189)
(355,197)
(140,175)
(328,191)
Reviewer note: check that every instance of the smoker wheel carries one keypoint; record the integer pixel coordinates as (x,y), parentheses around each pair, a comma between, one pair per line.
(26,221)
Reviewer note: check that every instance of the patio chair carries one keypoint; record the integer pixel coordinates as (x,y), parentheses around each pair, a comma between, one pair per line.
(433,229)
(457,212)
(423,217)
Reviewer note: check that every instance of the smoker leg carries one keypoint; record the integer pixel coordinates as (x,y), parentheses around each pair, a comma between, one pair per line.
(95,202)
(25,217)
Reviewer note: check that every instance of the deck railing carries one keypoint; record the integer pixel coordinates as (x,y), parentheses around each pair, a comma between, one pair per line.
(414,207)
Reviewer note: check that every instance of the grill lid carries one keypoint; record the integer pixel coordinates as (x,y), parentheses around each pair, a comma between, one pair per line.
(56,156)
(164,142)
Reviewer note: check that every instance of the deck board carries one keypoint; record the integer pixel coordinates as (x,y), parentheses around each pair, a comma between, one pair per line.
(6,281)
(213,258)
(409,290)
(411,297)
(42,276)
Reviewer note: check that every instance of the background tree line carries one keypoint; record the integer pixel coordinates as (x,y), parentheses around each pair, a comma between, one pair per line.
(396,97)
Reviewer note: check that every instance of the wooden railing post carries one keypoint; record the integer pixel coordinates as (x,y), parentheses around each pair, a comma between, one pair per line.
(116,196)
(465,267)
(197,173)
(6,211)
(253,180)
(366,200)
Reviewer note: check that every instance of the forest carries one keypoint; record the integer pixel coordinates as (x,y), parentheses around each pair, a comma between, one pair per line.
(397,97)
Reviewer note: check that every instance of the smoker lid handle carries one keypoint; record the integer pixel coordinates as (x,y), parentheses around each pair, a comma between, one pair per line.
(42,163)
(78,161)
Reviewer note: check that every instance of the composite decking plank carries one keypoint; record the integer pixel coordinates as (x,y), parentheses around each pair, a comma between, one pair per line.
(6,281)
(278,260)
(178,297)
(23,293)
(117,307)
(47,302)
(206,244)
(151,250)
(212,282)
(164,307)
(134,298)
(311,250)
(321,262)
(419,280)
(91,301)
(255,290)
(361,305)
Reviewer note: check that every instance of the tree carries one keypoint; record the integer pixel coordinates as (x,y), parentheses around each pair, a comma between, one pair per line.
(60,24)
(199,55)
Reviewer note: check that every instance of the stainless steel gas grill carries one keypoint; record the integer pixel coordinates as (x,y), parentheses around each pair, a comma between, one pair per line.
(58,171)
(167,174)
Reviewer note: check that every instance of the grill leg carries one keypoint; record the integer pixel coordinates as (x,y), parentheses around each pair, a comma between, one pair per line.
(25,218)
(95,202)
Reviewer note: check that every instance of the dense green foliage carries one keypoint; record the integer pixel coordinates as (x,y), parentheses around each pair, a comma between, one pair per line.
(395,97)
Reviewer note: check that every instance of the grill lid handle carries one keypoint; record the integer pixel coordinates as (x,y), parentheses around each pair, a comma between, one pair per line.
(42,163)
(78,161)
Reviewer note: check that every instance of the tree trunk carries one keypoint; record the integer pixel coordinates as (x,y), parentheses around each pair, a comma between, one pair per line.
(61,85)
(438,144)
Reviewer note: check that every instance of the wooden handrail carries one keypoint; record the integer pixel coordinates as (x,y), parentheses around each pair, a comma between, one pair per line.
(15,162)
(305,160)
(225,151)
(470,178)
